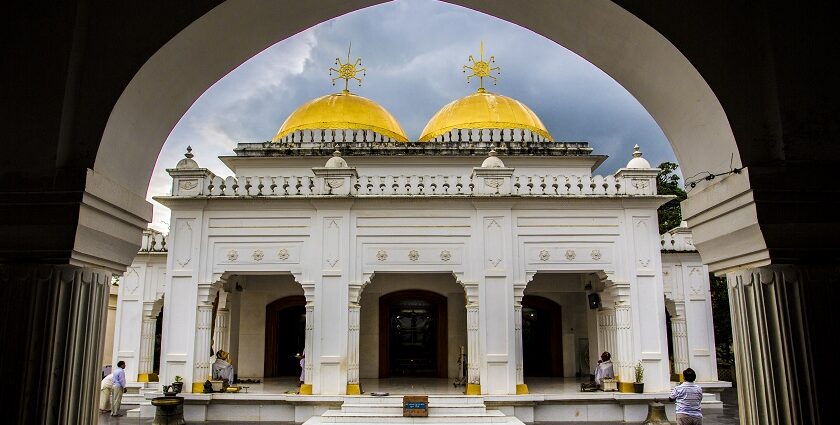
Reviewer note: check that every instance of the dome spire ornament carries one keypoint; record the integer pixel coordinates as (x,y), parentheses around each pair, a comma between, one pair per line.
(348,71)
(482,69)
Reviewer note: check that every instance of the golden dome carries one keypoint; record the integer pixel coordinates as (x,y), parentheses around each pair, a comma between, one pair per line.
(342,111)
(484,110)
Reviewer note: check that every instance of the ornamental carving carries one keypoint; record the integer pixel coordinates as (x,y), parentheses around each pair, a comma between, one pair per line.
(494,182)
(283,254)
(188,184)
(595,254)
(644,262)
(334,183)
(570,254)
(445,255)
(545,255)
(381,255)
(413,255)
(258,255)
(640,183)
(233,255)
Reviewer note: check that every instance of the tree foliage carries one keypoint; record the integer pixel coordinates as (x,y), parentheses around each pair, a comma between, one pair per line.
(668,183)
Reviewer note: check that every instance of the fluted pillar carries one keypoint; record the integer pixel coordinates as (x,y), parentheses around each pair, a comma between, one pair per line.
(518,293)
(353,387)
(679,333)
(306,387)
(147,350)
(606,330)
(52,321)
(781,317)
(623,354)
(221,334)
(473,348)
(201,366)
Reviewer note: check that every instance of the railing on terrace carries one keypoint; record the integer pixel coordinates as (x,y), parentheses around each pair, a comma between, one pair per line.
(419,185)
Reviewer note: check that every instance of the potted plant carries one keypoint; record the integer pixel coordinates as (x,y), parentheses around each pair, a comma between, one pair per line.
(178,385)
(639,371)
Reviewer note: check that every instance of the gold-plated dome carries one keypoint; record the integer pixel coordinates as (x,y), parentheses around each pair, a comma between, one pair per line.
(484,110)
(341,111)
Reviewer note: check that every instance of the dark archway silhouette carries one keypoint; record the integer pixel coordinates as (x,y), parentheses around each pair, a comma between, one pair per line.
(542,337)
(413,330)
(285,332)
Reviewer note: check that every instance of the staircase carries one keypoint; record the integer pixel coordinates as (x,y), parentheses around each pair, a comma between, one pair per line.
(443,409)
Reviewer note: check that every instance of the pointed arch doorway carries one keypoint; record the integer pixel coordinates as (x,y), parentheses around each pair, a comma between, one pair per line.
(285,333)
(413,334)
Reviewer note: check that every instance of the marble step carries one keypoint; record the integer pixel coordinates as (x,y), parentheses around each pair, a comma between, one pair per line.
(433,399)
(488,416)
(434,408)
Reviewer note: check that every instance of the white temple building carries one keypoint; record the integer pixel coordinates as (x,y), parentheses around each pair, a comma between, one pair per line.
(486,241)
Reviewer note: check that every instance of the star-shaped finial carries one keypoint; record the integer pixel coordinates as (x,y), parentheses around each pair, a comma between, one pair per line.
(482,69)
(347,71)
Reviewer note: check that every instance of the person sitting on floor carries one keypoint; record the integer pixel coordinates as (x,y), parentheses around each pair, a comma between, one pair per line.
(222,368)
(604,370)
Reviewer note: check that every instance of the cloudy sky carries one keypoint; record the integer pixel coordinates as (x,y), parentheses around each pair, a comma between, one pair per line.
(413,51)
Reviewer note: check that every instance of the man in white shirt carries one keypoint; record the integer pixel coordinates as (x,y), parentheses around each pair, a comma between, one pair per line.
(604,370)
(688,396)
(105,393)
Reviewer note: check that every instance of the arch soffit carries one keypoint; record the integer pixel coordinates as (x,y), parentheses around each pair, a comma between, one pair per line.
(600,31)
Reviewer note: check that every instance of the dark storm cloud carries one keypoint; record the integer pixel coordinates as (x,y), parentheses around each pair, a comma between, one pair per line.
(414,51)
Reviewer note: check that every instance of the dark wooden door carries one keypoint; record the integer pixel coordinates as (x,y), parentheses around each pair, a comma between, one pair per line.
(285,333)
(542,337)
(413,334)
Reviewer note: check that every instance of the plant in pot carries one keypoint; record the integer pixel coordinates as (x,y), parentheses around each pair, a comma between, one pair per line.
(178,385)
(639,371)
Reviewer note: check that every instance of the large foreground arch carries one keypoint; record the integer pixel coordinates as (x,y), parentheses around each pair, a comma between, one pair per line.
(95,87)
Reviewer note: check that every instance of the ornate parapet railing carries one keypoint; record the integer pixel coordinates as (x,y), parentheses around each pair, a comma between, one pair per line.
(345,182)
(153,241)
(678,239)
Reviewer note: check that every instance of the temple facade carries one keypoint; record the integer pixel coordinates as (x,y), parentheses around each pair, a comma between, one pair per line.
(485,252)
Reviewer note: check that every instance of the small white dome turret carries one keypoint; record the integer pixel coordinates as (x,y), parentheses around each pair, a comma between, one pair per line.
(336,161)
(492,160)
(638,161)
(187,163)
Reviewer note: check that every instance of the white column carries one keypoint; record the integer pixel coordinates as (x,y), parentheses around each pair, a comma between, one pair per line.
(679,334)
(518,293)
(203,336)
(221,334)
(353,349)
(309,293)
(147,350)
(606,330)
(473,348)
(623,354)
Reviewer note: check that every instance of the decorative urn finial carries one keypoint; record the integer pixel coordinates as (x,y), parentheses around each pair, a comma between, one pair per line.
(638,161)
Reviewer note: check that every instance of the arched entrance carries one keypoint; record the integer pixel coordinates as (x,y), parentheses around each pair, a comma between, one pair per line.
(542,337)
(285,332)
(413,334)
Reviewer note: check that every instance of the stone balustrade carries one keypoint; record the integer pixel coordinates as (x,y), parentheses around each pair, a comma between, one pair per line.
(211,185)
(678,239)
(153,241)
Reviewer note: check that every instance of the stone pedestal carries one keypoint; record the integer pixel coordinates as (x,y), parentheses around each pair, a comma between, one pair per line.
(52,319)
(168,411)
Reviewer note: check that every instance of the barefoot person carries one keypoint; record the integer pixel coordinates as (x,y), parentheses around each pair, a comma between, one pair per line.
(118,388)
(688,396)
